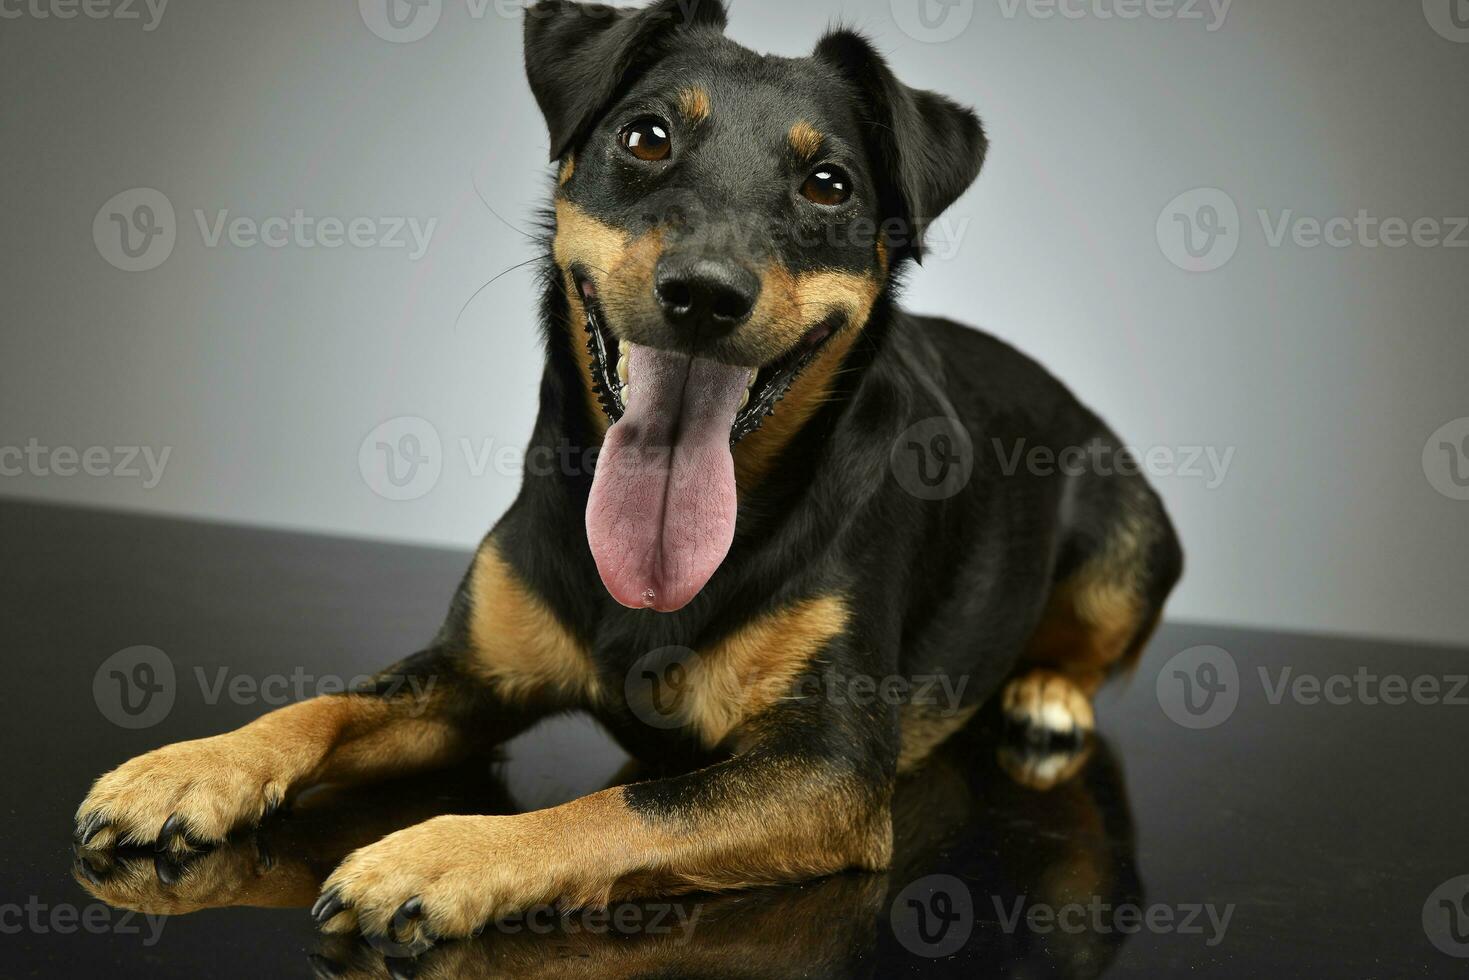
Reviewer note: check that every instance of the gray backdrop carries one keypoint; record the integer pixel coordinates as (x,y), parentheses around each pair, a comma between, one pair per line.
(1117,234)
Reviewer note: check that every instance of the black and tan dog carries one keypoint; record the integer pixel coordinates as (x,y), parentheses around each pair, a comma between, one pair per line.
(719,319)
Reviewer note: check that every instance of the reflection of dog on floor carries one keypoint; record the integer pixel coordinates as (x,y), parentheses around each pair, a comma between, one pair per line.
(960,813)
(786,490)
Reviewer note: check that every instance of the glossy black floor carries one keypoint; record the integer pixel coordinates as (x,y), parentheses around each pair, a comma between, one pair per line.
(1279,837)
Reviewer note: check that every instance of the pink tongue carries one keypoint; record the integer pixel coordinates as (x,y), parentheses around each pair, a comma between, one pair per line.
(662,510)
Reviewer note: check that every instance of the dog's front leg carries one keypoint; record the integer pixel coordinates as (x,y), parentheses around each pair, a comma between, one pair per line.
(804,800)
(424,713)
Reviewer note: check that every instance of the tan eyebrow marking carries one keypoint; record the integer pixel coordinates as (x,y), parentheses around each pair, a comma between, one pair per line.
(693,105)
(805,140)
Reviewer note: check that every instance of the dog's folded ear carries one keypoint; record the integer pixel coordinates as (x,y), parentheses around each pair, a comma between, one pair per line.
(577,55)
(927,149)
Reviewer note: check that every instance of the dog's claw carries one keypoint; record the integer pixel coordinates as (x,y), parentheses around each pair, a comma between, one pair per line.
(401,968)
(323,968)
(326,907)
(167,869)
(409,912)
(266,855)
(83,865)
(90,828)
(172,829)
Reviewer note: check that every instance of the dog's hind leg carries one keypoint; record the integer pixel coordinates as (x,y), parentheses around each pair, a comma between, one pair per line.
(1120,563)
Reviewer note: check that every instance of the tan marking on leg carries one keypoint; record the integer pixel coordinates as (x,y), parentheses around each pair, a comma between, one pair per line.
(693,105)
(742,675)
(567,170)
(217,784)
(519,646)
(1093,621)
(924,728)
(805,141)
(777,822)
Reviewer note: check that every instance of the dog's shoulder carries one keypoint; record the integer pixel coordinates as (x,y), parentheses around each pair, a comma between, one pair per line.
(987,379)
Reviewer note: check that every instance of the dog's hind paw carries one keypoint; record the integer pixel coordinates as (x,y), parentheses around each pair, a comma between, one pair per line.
(1043,708)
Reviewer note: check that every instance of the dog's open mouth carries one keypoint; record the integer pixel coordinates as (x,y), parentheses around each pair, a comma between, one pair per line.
(661,513)
(611,368)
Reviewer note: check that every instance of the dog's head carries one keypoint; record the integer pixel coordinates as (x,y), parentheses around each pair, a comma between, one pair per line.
(725,222)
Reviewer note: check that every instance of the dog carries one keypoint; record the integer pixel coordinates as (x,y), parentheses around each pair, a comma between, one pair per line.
(788,519)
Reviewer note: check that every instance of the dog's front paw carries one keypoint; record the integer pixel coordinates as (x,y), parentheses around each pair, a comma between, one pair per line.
(241,872)
(442,879)
(181,795)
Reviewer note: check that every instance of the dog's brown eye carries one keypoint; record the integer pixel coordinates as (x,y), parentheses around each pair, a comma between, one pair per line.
(647,139)
(827,186)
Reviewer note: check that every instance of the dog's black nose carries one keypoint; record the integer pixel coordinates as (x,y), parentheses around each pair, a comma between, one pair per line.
(714,294)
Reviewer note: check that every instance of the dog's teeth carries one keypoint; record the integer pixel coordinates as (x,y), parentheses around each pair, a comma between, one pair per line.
(624,369)
(624,348)
(744,401)
(626,394)
(754,373)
